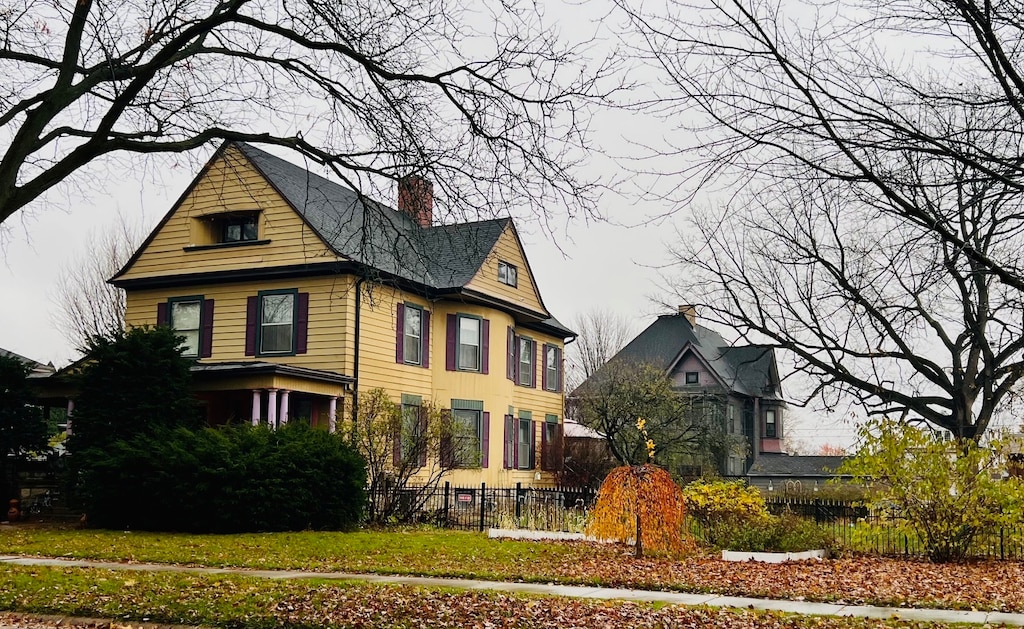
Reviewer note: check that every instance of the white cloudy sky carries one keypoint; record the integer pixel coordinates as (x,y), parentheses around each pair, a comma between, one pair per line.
(616,266)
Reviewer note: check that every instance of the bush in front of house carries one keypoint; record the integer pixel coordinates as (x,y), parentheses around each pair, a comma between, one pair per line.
(724,509)
(229,479)
(787,533)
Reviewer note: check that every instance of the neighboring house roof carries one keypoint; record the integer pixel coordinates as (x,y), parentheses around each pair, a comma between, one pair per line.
(743,369)
(771,464)
(579,431)
(36,367)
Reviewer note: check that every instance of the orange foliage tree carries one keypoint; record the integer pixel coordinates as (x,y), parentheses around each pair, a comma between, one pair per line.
(643,503)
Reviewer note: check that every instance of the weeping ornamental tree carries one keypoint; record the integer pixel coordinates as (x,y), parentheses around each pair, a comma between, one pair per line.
(873,158)
(640,503)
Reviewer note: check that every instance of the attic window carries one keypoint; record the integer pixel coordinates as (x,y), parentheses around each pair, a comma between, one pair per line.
(692,377)
(239,228)
(507,274)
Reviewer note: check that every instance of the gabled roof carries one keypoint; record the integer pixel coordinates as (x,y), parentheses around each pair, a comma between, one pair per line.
(772,464)
(36,367)
(374,236)
(744,369)
(378,236)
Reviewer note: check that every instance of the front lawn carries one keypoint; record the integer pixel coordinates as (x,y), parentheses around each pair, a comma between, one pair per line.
(252,603)
(856,580)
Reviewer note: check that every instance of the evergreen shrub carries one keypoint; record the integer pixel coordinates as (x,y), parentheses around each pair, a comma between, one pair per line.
(228,479)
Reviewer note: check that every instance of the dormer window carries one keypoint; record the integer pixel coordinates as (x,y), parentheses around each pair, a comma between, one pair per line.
(239,228)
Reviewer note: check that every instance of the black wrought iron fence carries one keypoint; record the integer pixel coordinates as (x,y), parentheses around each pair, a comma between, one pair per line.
(852,525)
(482,507)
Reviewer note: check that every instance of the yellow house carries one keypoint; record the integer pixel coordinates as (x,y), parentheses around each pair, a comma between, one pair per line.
(295,294)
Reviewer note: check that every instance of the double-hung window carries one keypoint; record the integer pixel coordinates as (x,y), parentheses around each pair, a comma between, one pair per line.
(186,320)
(411,436)
(771,424)
(552,368)
(526,358)
(469,344)
(277,323)
(191,318)
(412,347)
(467,437)
(525,443)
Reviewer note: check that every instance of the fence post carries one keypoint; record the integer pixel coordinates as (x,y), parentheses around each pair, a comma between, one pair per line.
(483,504)
(519,487)
(447,522)
(1002,548)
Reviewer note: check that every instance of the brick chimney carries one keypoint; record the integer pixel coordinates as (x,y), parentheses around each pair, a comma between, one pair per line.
(690,312)
(416,199)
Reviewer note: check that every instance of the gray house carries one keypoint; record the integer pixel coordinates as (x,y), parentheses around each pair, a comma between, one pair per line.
(737,385)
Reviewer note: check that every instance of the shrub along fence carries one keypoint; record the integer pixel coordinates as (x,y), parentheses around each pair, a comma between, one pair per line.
(853,526)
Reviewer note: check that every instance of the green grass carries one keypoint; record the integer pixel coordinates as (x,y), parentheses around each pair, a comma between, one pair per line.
(238,602)
(414,551)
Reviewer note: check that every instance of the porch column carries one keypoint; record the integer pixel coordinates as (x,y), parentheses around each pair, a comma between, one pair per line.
(332,415)
(272,408)
(256,407)
(284,406)
(67,417)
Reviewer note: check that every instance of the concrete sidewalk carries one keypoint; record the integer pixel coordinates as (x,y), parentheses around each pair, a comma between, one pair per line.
(575,591)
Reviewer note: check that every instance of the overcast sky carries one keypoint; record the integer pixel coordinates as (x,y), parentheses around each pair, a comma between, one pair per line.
(584,266)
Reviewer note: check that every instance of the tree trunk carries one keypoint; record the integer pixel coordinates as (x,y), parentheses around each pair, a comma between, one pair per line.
(639,538)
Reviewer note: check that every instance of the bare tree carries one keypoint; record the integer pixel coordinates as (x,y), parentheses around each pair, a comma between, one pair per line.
(873,155)
(602,333)
(685,429)
(403,447)
(373,89)
(86,305)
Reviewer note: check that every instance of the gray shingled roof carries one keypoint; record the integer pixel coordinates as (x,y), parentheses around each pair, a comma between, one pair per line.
(784,465)
(382,238)
(35,366)
(745,369)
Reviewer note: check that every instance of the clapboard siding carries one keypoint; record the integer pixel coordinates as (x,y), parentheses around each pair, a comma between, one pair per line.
(329,318)
(231,184)
(507,249)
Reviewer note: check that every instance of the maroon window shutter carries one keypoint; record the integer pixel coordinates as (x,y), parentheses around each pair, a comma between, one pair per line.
(302,324)
(447,453)
(400,334)
(485,346)
(207,330)
(533,444)
(161,313)
(544,368)
(559,373)
(515,443)
(250,325)
(485,440)
(450,348)
(536,360)
(505,444)
(425,352)
(515,360)
(544,447)
(421,445)
(510,355)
